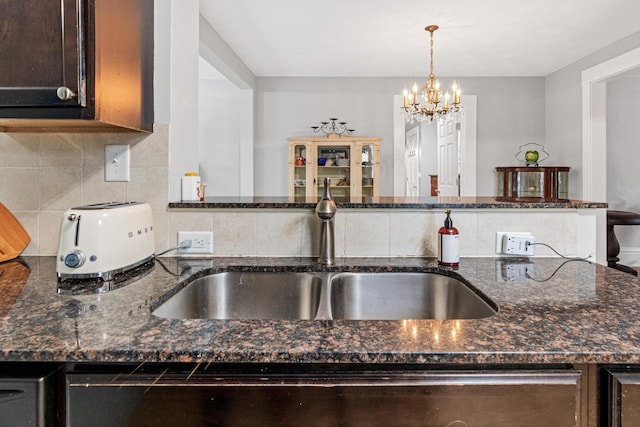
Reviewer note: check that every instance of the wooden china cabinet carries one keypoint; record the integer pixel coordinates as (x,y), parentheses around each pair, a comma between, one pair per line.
(351,162)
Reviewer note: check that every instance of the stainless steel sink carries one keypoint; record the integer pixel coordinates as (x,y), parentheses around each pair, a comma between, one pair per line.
(251,295)
(326,296)
(394,296)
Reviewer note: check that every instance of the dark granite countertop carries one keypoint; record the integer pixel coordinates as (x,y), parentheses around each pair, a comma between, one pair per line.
(385,203)
(560,312)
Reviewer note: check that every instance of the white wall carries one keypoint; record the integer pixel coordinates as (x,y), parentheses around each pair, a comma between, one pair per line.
(219,137)
(182,47)
(288,107)
(220,55)
(510,114)
(563,93)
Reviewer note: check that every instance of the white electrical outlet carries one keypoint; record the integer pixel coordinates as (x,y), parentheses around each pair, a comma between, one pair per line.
(515,243)
(201,242)
(116,162)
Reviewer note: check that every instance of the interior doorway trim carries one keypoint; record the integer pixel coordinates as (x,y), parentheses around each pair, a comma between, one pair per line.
(468,141)
(594,122)
(594,137)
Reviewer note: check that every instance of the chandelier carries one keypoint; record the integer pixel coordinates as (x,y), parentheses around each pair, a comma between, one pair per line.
(432,106)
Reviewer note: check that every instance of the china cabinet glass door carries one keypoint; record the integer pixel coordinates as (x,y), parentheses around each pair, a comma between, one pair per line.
(334,162)
(369,177)
(301,172)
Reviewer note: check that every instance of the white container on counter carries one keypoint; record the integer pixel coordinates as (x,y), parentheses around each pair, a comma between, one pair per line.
(190,187)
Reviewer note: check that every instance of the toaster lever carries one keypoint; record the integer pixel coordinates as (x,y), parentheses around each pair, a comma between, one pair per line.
(73,217)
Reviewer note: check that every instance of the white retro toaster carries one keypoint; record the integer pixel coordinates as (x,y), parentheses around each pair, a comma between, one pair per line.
(102,240)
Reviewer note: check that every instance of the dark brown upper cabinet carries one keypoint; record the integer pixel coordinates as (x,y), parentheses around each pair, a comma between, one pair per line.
(76,65)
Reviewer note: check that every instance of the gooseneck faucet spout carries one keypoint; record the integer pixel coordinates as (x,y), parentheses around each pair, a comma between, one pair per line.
(326,209)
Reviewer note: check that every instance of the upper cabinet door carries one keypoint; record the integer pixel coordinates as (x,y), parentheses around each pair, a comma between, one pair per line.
(42,53)
(69,64)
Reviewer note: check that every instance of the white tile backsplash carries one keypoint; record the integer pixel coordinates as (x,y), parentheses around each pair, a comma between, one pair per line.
(19,188)
(411,233)
(19,152)
(234,233)
(29,221)
(59,150)
(60,188)
(96,190)
(279,232)
(366,233)
(48,232)
(143,179)
(381,233)
(310,234)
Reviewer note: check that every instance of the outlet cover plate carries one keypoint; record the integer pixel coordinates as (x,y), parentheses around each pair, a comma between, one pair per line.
(500,249)
(201,242)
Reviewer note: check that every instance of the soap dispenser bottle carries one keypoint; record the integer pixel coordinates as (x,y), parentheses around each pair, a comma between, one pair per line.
(448,243)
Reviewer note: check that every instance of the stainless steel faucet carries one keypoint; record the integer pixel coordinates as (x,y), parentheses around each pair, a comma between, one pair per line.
(326,209)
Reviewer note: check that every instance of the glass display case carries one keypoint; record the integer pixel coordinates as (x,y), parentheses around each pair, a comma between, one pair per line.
(550,183)
(351,163)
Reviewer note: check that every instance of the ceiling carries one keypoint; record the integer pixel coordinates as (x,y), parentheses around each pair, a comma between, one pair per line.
(386,38)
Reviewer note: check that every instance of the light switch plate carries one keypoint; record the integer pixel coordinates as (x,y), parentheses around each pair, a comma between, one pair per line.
(116,162)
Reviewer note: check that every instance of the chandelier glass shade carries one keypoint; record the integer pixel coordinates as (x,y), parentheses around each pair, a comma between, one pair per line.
(434,105)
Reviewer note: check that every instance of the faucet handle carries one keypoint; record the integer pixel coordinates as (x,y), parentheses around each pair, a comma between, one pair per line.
(326,207)
(326,194)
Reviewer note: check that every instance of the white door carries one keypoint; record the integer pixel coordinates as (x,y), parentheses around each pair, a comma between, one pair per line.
(411,161)
(448,159)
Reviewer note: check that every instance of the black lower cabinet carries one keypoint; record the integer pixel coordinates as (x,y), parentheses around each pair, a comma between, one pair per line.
(418,398)
(27,397)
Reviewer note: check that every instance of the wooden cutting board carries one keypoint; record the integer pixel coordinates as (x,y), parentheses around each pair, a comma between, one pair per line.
(13,237)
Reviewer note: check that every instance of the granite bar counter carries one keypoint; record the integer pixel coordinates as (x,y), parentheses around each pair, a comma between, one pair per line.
(558,311)
(385,203)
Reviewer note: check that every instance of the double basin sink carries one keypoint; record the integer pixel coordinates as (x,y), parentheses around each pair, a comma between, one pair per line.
(326,296)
